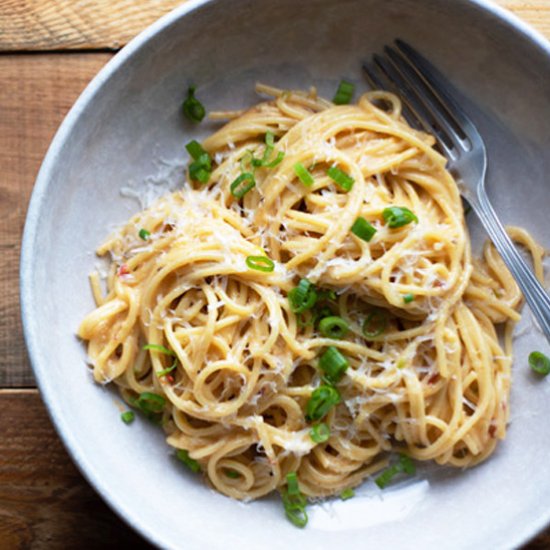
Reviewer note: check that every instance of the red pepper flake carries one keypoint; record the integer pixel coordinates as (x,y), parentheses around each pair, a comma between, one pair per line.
(433,378)
(123,270)
(169,378)
(492,430)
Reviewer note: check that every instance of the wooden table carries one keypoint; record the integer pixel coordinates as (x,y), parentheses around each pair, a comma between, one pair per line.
(49,51)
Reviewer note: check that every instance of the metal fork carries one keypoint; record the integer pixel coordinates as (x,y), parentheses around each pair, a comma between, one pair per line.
(428,104)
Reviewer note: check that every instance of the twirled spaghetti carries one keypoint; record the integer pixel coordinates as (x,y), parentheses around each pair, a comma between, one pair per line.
(240,366)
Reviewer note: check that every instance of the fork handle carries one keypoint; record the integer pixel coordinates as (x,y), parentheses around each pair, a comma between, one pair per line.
(533,291)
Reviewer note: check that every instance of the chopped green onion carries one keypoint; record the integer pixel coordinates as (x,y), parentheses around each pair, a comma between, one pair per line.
(303,174)
(398,216)
(342,179)
(408,298)
(150,403)
(195,149)
(347,494)
(292,484)
(363,229)
(192,464)
(159,348)
(233,474)
(319,314)
(294,501)
(193,109)
(260,263)
(333,327)
(201,168)
(144,234)
(539,362)
(127,417)
(242,185)
(269,145)
(333,364)
(375,323)
(404,466)
(270,139)
(321,401)
(320,433)
(168,370)
(277,160)
(344,93)
(295,513)
(302,297)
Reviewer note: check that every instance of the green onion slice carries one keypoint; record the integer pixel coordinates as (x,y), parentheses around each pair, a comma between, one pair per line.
(347,494)
(303,174)
(193,109)
(294,501)
(363,229)
(159,348)
(242,185)
(201,167)
(404,466)
(260,263)
(375,323)
(333,327)
(333,364)
(408,298)
(342,179)
(144,234)
(302,297)
(321,401)
(195,149)
(184,457)
(292,484)
(398,216)
(344,93)
(150,403)
(269,146)
(233,474)
(320,433)
(539,362)
(127,417)
(295,509)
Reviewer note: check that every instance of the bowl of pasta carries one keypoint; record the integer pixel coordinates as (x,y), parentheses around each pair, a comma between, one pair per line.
(255,304)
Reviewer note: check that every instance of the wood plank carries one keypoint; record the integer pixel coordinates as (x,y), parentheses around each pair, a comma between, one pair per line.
(66,24)
(99,24)
(44,501)
(36,91)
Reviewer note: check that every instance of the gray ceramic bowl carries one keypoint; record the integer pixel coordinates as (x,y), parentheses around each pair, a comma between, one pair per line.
(126,131)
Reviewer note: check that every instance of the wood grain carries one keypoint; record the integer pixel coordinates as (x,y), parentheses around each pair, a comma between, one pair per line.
(36,91)
(99,24)
(44,501)
(67,24)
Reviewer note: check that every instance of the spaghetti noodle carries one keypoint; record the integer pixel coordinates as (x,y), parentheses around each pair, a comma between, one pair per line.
(236,364)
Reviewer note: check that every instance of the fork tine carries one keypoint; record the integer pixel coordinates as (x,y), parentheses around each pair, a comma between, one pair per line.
(406,91)
(440,89)
(376,84)
(443,124)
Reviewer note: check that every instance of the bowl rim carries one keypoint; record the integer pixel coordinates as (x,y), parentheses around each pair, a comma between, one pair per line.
(29,249)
